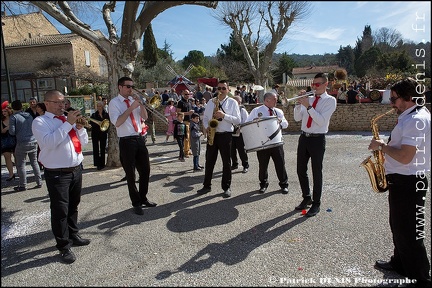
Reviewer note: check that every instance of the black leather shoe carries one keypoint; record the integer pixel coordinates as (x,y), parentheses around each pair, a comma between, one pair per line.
(262,189)
(138,210)
(304,204)
(78,241)
(67,256)
(227,193)
(384,265)
(204,190)
(284,190)
(11,178)
(149,204)
(20,188)
(245,170)
(313,210)
(234,167)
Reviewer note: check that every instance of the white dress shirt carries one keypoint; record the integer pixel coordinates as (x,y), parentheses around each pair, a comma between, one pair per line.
(57,149)
(321,114)
(232,114)
(412,129)
(263,112)
(117,107)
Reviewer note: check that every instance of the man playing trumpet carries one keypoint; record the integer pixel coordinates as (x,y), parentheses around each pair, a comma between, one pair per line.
(60,141)
(315,113)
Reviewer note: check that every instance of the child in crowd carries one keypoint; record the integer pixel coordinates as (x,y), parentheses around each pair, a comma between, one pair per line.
(180,134)
(195,141)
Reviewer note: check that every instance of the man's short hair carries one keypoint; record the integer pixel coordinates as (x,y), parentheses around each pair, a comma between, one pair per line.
(16,105)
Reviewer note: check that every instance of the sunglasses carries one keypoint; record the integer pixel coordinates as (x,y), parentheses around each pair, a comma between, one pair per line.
(393,99)
(129,86)
(316,84)
(222,88)
(57,102)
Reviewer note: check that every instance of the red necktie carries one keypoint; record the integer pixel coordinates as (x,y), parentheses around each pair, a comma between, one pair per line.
(309,123)
(132,116)
(271,112)
(72,134)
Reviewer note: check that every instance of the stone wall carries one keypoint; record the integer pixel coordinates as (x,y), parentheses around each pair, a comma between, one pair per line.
(347,117)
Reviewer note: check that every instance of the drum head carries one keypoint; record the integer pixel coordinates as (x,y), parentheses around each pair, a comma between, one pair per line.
(375,95)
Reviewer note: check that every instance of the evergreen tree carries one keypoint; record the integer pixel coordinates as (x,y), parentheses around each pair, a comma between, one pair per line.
(150,56)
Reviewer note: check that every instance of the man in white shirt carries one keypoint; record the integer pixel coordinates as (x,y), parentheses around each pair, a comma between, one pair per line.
(315,113)
(276,153)
(61,141)
(125,113)
(227,113)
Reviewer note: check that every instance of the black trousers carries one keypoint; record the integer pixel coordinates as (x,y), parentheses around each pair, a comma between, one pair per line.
(134,155)
(99,145)
(221,144)
(277,154)
(407,196)
(311,148)
(237,144)
(64,190)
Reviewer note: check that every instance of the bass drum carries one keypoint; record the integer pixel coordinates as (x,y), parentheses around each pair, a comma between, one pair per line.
(262,133)
(375,95)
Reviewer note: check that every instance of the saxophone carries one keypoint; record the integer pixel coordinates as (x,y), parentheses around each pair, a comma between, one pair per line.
(213,123)
(376,170)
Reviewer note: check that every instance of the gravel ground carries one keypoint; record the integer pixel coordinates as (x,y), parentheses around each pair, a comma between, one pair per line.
(249,239)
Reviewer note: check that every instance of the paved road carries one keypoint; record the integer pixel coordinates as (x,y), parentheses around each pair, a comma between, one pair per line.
(249,239)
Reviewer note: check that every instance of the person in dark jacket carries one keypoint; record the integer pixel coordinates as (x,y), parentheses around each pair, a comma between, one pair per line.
(99,137)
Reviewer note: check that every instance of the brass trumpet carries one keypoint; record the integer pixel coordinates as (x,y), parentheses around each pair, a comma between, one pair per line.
(104,124)
(285,101)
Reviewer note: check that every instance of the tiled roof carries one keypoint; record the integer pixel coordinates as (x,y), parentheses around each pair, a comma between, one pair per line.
(44,40)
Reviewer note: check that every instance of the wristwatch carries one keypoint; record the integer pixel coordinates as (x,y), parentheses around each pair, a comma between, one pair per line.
(309,107)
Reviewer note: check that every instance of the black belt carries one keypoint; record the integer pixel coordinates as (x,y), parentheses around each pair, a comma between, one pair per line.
(132,137)
(66,170)
(223,132)
(395,176)
(312,134)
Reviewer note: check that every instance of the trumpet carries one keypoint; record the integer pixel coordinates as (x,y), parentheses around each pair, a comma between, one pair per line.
(285,101)
(152,104)
(104,124)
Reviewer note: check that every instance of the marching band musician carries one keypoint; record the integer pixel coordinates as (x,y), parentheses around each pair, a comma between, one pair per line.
(228,114)
(61,141)
(126,113)
(407,159)
(276,153)
(315,113)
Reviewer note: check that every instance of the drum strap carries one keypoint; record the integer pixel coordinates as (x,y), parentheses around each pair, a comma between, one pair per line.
(275,133)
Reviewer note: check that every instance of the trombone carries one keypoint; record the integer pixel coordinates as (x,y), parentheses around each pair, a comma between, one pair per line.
(152,104)
(104,124)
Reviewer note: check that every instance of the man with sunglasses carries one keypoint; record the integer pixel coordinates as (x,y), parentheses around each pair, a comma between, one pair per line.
(185,106)
(315,113)
(126,113)
(228,114)
(407,160)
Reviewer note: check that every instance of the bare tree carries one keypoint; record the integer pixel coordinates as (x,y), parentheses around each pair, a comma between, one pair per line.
(258,27)
(387,38)
(119,51)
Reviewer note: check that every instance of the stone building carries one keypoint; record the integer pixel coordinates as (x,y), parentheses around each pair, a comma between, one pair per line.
(40,58)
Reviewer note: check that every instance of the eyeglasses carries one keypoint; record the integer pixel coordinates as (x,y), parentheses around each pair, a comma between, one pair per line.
(57,102)
(222,88)
(129,86)
(317,84)
(393,99)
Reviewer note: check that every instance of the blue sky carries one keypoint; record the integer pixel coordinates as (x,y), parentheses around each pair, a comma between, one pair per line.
(329,25)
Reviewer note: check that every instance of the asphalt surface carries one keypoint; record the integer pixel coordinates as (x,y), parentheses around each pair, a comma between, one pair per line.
(249,239)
